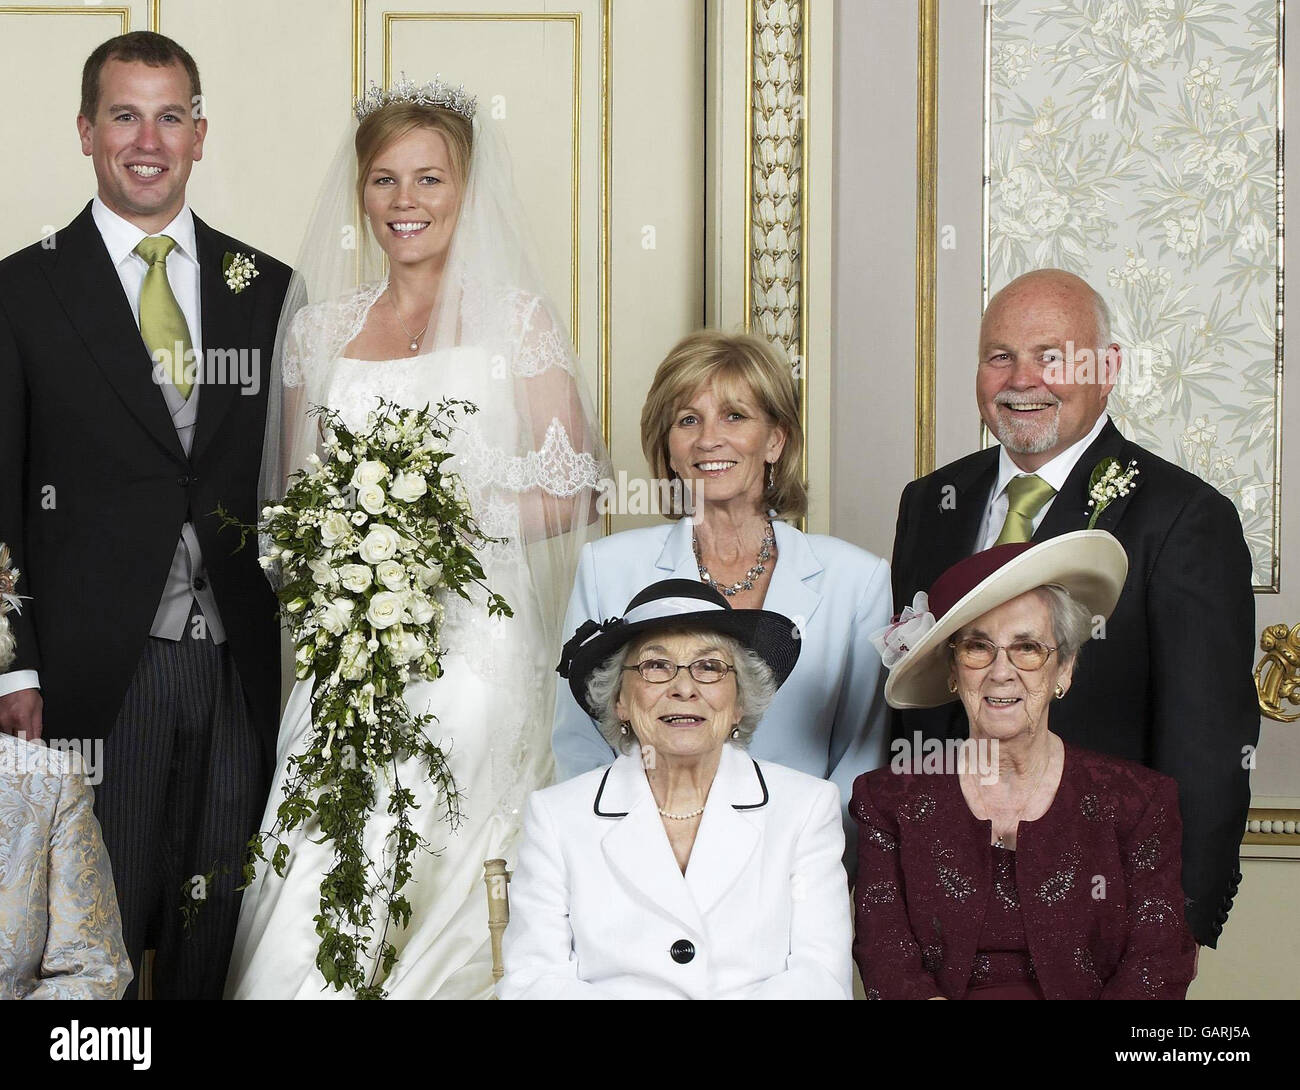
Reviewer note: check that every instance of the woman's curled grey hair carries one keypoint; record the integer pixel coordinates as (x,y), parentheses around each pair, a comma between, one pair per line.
(1071,621)
(755,687)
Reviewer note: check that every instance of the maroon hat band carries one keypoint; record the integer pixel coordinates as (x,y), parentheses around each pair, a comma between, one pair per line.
(964,576)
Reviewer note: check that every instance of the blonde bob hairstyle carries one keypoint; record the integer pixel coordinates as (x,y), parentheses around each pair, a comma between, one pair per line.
(741,367)
(394,121)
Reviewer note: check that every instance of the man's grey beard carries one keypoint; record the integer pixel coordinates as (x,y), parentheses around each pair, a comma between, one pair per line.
(1026,439)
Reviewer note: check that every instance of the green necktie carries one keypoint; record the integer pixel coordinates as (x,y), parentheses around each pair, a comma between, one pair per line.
(162,325)
(1025,498)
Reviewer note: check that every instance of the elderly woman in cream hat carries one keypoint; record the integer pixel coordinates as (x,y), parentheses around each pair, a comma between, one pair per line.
(1023,868)
(686,869)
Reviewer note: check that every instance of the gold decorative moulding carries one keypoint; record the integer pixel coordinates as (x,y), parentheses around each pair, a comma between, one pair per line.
(1277,677)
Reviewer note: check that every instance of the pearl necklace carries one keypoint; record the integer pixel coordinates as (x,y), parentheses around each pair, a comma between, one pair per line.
(681,817)
(747,583)
(415,341)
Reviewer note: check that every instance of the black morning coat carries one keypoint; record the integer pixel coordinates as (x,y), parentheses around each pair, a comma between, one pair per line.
(94,484)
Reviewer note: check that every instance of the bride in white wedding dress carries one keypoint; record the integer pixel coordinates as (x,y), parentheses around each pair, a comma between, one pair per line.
(460,313)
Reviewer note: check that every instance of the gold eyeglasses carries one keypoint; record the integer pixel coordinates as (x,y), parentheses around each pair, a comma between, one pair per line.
(975,653)
(705,671)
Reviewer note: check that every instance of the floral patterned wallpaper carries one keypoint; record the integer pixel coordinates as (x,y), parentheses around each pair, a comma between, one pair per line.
(1134,142)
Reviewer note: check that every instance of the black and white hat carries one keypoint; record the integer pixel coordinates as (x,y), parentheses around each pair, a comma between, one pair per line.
(678,603)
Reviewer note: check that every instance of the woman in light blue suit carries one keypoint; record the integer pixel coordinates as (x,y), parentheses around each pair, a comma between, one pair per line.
(722,418)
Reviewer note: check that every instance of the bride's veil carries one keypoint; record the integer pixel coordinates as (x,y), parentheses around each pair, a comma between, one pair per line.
(536,456)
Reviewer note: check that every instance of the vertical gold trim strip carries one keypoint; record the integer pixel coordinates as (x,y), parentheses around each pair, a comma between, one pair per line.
(1275,581)
(927,58)
(576,189)
(155,16)
(358,47)
(749,165)
(805,68)
(606,228)
(606,224)
(986,175)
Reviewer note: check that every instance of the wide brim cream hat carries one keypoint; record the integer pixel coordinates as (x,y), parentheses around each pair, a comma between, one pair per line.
(1090,564)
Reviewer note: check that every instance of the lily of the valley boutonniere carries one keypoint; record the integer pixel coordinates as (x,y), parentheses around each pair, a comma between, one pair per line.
(1107,484)
(239,269)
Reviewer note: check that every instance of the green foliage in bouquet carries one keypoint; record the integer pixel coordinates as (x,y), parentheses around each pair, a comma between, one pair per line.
(366,540)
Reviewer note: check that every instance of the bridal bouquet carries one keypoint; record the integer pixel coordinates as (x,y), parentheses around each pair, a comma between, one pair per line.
(366,539)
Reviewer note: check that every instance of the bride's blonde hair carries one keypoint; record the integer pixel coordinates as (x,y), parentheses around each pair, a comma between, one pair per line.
(394,121)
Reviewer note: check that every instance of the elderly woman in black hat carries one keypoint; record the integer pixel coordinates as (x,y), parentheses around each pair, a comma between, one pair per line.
(1014,866)
(685,869)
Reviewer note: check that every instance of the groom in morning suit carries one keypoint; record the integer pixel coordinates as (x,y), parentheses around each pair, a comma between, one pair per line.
(146,633)
(1170,684)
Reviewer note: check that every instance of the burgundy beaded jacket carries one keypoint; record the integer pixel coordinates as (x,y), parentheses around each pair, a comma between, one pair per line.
(1098,878)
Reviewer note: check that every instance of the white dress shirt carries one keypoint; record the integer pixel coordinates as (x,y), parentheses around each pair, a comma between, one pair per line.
(1054,473)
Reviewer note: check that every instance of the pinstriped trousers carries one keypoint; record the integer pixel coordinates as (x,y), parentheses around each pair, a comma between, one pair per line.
(185,780)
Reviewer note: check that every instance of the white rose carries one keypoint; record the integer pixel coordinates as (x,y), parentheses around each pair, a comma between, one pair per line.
(411,647)
(334,528)
(380,544)
(353,657)
(335,616)
(421,609)
(372,498)
(368,473)
(429,575)
(409,487)
(385,609)
(391,574)
(355,577)
(321,572)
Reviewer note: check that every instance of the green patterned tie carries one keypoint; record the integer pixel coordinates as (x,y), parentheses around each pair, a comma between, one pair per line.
(162,324)
(1025,498)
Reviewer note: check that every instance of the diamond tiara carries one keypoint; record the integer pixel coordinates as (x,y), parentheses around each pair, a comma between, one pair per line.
(433,93)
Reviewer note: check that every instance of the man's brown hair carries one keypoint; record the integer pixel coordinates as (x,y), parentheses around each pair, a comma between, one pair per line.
(144,46)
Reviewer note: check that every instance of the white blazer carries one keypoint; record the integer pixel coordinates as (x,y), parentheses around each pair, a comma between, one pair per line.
(599,908)
(829,719)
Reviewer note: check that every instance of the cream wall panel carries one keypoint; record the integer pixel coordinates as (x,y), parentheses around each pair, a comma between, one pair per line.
(874,261)
(1258,956)
(820,34)
(728,218)
(657,292)
(277,94)
(41,56)
(958,301)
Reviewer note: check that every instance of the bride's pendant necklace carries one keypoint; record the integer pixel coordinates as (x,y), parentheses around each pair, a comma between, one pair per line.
(415,340)
(747,583)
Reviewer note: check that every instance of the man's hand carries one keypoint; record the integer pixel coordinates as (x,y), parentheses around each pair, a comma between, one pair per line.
(20,714)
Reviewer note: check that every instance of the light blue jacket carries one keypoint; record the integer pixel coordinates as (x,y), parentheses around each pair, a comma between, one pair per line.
(829,718)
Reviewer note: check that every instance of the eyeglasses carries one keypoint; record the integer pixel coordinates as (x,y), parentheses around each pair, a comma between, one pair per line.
(705,671)
(975,653)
